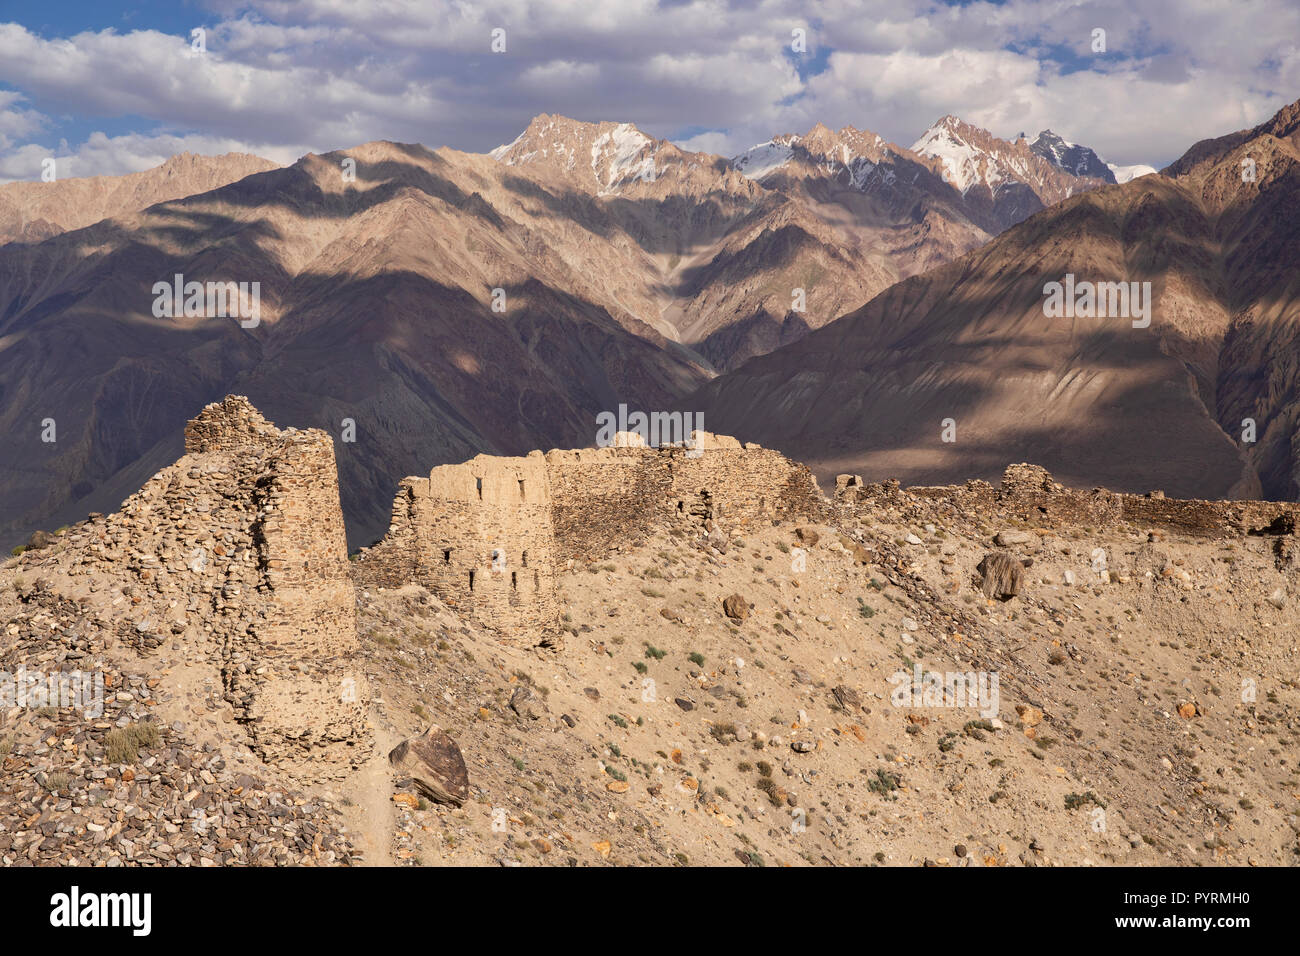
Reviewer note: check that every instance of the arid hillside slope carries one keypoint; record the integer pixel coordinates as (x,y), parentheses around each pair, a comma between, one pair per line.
(1145,715)
(959,676)
(31,212)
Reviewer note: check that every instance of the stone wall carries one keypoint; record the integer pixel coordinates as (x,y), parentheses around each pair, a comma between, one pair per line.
(537,514)
(1030,493)
(237,552)
(484,541)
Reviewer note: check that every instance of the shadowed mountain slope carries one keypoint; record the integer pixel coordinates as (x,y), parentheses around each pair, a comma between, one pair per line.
(1094,399)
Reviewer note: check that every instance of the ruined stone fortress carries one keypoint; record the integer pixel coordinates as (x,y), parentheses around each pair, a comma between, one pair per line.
(1031,491)
(237,552)
(490,536)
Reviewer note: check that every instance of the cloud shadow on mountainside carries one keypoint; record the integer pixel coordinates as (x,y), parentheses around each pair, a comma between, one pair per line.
(392,351)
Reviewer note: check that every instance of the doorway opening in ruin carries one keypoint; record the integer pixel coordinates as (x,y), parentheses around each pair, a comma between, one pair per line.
(514,580)
(521,489)
(471,580)
(478,483)
(446,555)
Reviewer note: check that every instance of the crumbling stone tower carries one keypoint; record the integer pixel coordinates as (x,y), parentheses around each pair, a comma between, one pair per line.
(237,553)
(286,616)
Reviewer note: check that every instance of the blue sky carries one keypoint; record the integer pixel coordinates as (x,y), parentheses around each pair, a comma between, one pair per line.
(110,88)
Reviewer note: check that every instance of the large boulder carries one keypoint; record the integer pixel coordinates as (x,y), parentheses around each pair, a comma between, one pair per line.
(434,764)
(736,607)
(1002,575)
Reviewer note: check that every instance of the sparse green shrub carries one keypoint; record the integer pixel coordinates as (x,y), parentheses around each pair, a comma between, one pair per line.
(1074,801)
(884,782)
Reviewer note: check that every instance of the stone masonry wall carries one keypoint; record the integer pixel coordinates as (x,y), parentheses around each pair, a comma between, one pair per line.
(243,538)
(235,556)
(1031,491)
(565,506)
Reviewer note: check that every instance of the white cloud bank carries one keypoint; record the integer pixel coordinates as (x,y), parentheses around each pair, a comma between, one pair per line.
(280,78)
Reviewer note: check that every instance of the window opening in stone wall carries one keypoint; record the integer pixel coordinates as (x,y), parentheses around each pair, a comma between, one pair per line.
(446,555)
(521,488)
(525,558)
(471,580)
(514,580)
(478,483)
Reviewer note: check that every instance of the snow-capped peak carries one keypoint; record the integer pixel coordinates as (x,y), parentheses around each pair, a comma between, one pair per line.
(1072,158)
(851,155)
(757,161)
(616,153)
(946,142)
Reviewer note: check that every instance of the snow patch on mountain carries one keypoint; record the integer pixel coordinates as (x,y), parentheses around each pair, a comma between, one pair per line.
(757,161)
(959,158)
(503,150)
(620,150)
(1124,174)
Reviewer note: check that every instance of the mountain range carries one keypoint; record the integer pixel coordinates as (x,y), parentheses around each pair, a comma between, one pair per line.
(952,374)
(433,304)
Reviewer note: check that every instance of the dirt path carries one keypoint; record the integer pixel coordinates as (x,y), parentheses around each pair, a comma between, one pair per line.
(371,816)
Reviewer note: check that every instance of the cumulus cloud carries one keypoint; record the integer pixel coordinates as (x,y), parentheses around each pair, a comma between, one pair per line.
(16,121)
(284,76)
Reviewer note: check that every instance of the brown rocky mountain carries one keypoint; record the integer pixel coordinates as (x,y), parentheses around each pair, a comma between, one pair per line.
(908,210)
(438,303)
(889,202)
(955,188)
(30,212)
(1095,399)
(840,216)
(376,306)
(715,255)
